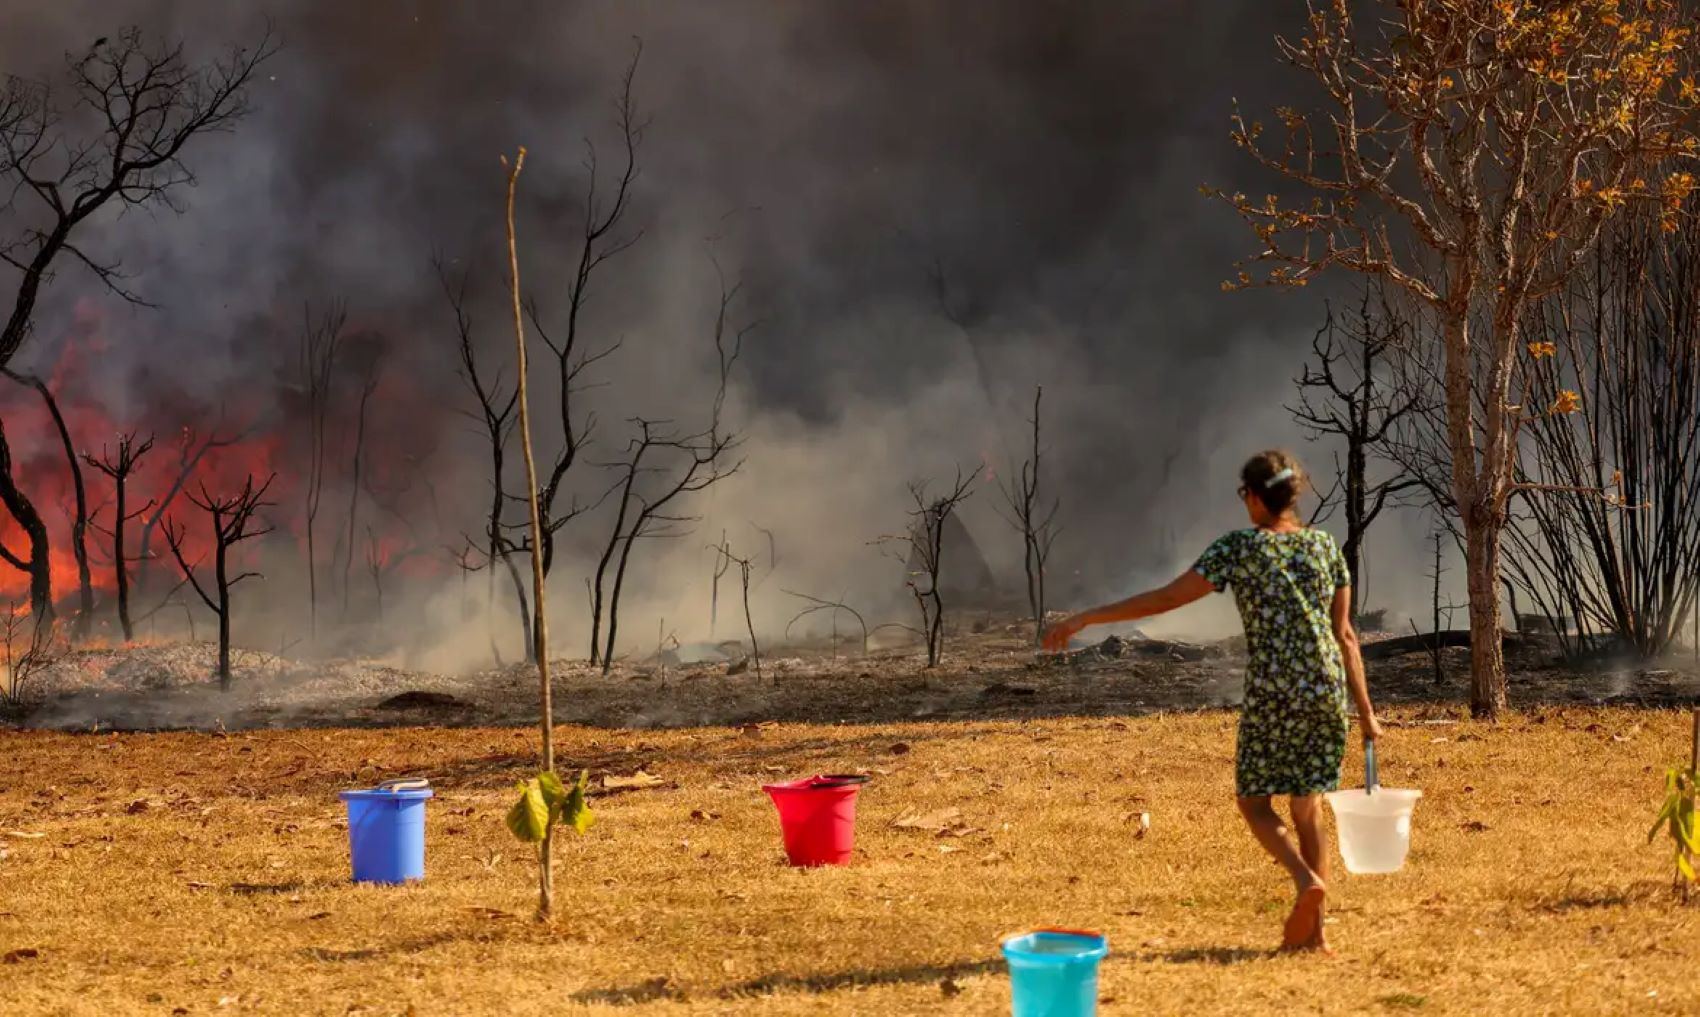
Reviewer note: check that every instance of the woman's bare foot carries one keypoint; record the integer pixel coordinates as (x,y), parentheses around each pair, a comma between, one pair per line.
(1317,944)
(1305,923)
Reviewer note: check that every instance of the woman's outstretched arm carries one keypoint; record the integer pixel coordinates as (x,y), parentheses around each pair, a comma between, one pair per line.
(1186,588)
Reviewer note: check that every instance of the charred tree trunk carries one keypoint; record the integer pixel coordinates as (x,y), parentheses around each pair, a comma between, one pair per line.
(1356,467)
(222,578)
(703,455)
(608,551)
(926,548)
(80,504)
(523,607)
(319,342)
(495,414)
(750,622)
(119,469)
(1034,520)
(189,459)
(232,522)
(614,605)
(37,564)
(366,391)
(154,103)
(120,567)
(1350,399)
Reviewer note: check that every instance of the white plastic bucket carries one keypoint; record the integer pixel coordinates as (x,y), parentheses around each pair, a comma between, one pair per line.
(1375,827)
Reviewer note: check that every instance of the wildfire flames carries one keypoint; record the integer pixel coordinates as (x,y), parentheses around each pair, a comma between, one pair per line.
(195,447)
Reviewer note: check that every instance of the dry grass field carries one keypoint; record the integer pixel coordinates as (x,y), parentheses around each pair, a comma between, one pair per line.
(206,874)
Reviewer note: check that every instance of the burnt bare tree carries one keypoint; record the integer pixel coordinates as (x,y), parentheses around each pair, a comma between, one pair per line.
(1033,515)
(29,648)
(118,468)
(1440,617)
(601,238)
(926,545)
(1348,394)
(684,464)
(113,140)
(356,474)
(724,552)
(376,567)
(320,339)
(495,418)
(33,562)
(687,464)
(722,565)
(79,500)
(1606,531)
(233,521)
(148,104)
(192,450)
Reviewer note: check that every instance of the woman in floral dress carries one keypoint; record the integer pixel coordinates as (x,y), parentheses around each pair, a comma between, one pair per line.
(1294,596)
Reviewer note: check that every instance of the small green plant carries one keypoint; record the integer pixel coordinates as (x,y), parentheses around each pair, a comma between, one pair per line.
(545,802)
(1676,819)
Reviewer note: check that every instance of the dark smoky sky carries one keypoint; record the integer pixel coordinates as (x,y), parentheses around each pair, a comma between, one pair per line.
(1046,155)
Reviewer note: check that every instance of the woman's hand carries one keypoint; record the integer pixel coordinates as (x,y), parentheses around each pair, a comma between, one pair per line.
(1057,636)
(1369,726)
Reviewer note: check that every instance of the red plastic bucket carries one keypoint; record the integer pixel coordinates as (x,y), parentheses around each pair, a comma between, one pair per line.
(818,818)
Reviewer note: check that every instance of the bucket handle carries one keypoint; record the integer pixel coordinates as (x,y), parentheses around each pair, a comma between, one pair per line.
(405,784)
(1371,781)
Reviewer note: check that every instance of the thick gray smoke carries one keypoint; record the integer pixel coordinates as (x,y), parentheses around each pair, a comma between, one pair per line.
(1045,157)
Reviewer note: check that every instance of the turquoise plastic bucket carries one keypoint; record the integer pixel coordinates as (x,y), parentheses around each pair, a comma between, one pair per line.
(1054,972)
(386,831)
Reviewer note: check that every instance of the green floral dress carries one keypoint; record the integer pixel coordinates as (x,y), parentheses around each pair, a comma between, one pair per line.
(1293,725)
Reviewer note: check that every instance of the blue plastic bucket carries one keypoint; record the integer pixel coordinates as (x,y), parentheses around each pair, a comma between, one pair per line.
(1054,972)
(386,831)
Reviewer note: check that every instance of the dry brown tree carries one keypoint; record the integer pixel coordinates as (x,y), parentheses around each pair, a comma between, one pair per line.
(233,521)
(1357,402)
(112,139)
(119,468)
(1470,152)
(1034,516)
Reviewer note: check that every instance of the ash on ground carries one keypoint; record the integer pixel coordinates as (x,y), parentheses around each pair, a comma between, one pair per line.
(991,673)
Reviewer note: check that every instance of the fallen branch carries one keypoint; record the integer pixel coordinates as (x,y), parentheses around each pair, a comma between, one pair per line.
(834,606)
(1428,642)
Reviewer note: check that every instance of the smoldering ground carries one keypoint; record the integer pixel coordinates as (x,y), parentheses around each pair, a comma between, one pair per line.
(929,209)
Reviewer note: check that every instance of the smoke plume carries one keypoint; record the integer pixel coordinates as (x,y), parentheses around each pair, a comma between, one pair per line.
(929,208)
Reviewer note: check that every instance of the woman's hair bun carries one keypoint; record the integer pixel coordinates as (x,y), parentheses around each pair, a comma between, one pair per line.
(1275,477)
